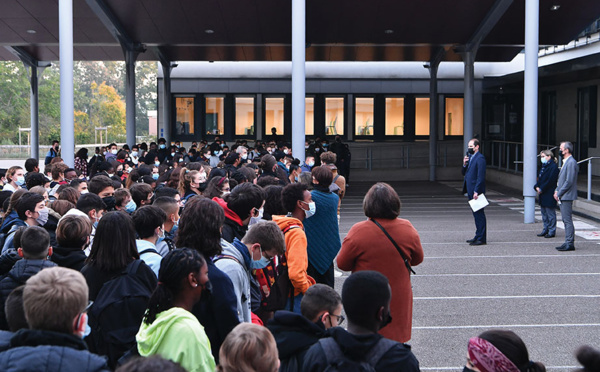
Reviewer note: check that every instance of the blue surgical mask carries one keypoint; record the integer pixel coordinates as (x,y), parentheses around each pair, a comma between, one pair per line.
(20,181)
(130,207)
(162,146)
(134,153)
(155,176)
(543,160)
(260,264)
(157,163)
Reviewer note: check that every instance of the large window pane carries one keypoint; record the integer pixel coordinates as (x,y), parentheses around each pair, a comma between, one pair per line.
(422,117)
(184,123)
(244,116)
(309,116)
(394,116)
(364,108)
(215,112)
(274,115)
(454,116)
(334,116)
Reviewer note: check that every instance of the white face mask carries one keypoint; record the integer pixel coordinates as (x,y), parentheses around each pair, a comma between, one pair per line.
(312,209)
(114,152)
(256,219)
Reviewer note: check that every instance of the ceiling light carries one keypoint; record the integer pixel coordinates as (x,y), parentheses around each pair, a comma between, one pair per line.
(389,31)
(554,7)
(209,31)
(31,31)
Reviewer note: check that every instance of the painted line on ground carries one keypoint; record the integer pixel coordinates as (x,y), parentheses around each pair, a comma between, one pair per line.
(459,368)
(501,274)
(512,256)
(509,326)
(515,297)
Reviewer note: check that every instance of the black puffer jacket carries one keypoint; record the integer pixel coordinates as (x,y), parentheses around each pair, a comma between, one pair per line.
(72,258)
(45,351)
(294,335)
(17,276)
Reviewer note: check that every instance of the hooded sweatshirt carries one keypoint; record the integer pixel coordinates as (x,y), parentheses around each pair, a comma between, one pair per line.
(235,262)
(355,347)
(177,335)
(295,252)
(233,226)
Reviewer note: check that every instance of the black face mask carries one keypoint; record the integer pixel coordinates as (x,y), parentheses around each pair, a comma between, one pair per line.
(120,173)
(386,320)
(470,151)
(202,186)
(110,203)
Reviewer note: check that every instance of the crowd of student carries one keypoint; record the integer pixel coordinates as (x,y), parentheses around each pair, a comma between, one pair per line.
(156,258)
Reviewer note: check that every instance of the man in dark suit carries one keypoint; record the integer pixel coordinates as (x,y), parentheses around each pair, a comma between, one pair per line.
(474,172)
(566,193)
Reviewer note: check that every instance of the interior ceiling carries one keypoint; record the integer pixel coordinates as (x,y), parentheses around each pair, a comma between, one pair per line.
(260,30)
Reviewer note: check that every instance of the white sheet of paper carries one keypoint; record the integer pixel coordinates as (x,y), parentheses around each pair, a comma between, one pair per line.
(481,202)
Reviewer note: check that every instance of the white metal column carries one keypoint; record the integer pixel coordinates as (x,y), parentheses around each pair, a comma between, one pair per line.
(298,77)
(65,30)
(532,9)
(469,98)
(433,119)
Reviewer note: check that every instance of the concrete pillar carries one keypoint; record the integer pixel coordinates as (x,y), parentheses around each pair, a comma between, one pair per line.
(65,31)
(469,98)
(298,77)
(530,105)
(130,58)
(433,119)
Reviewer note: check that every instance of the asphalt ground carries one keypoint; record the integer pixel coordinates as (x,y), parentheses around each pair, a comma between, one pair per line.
(518,281)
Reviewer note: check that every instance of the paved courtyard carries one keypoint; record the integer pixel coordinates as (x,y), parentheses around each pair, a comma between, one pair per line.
(517,281)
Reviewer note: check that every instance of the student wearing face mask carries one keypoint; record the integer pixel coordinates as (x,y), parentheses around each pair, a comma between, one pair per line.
(149,226)
(171,208)
(298,204)
(243,203)
(294,333)
(255,251)
(15,177)
(545,186)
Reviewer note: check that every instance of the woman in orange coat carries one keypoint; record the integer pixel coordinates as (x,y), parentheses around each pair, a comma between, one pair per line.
(366,247)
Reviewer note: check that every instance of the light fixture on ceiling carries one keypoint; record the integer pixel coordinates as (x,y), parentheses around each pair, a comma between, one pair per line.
(388,31)
(209,31)
(555,7)
(31,31)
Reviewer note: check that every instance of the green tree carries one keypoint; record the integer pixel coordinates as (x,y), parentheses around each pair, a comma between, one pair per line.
(108,110)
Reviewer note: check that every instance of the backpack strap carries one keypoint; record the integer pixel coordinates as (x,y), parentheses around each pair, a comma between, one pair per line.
(332,350)
(290,227)
(335,178)
(381,347)
(133,267)
(227,257)
(149,250)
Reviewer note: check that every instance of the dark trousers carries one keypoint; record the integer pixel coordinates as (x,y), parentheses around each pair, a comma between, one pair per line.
(480,225)
(326,278)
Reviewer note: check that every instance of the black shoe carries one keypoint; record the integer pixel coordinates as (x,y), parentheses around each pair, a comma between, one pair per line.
(471,240)
(567,248)
(549,236)
(543,233)
(477,242)
(561,247)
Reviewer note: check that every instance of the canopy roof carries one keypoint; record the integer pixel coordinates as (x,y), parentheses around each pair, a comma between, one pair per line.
(260,30)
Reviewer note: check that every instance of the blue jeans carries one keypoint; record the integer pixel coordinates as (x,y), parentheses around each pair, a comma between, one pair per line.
(549,219)
(296,305)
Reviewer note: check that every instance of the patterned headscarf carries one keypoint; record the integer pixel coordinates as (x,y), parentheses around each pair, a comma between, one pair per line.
(487,358)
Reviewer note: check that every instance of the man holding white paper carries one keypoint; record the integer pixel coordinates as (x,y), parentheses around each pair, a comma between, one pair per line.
(474,185)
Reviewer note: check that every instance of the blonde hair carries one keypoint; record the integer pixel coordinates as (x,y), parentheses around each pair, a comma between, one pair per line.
(185,179)
(53,298)
(249,348)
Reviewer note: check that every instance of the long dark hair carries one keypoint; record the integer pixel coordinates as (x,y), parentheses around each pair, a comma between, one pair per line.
(174,268)
(200,226)
(114,243)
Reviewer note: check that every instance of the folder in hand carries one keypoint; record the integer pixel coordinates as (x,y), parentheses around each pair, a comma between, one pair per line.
(481,202)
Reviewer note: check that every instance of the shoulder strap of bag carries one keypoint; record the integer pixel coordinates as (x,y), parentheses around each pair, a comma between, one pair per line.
(376,353)
(406,262)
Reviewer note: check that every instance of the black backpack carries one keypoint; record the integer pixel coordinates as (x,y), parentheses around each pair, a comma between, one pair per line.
(116,315)
(338,361)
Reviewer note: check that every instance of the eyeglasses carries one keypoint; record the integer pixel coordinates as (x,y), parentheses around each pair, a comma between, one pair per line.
(340,318)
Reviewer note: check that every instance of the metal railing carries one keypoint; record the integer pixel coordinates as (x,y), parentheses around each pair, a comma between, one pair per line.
(508,155)
(589,174)
(405,157)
